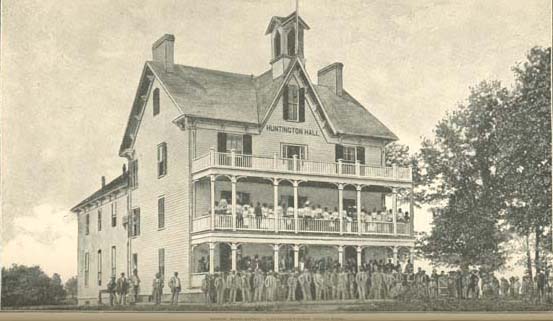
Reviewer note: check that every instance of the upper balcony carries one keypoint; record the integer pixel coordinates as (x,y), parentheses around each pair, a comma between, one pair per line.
(296,166)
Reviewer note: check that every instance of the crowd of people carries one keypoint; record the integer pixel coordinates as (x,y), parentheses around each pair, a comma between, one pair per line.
(328,280)
(262,211)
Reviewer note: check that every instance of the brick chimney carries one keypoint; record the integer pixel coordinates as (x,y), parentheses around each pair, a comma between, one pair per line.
(163,51)
(331,77)
(103,181)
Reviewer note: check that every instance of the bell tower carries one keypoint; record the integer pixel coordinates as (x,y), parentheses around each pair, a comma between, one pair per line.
(286,34)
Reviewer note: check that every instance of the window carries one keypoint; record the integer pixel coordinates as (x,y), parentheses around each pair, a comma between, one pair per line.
(113,261)
(135,222)
(99,267)
(161,260)
(86,268)
(294,104)
(87,224)
(161,159)
(234,142)
(277,44)
(156,101)
(135,261)
(350,154)
(114,213)
(291,39)
(242,144)
(99,219)
(288,151)
(161,212)
(133,168)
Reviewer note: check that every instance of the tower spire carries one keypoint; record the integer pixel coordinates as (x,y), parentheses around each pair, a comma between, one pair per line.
(297,26)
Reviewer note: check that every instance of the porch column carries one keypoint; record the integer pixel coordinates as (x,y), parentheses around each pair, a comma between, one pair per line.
(341,255)
(233,181)
(276,247)
(394,209)
(275,203)
(395,255)
(359,251)
(296,256)
(212,193)
(359,225)
(233,248)
(295,185)
(412,255)
(211,257)
(341,206)
(411,211)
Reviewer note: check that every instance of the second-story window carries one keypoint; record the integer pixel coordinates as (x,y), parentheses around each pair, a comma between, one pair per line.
(294,104)
(135,230)
(350,154)
(114,213)
(155,100)
(161,212)
(99,219)
(161,159)
(87,224)
(133,170)
(242,144)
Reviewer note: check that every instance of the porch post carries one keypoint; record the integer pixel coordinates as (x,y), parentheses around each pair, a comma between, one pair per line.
(412,255)
(396,258)
(411,212)
(233,248)
(233,181)
(341,255)
(359,251)
(295,185)
(394,209)
(341,206)
(232,158)
(359,225)
(275,203)
(296,256)
(275,257)
(212,193)
(211,257)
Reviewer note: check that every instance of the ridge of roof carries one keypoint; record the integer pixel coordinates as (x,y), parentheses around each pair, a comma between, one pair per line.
(116,183)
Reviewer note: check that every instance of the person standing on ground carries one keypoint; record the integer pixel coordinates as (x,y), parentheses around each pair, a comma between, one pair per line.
(258,283)
(219,288)
(157,288)
(122,289)
(292,285)
(175,286)
(135,284)
(112,289)
(205,289)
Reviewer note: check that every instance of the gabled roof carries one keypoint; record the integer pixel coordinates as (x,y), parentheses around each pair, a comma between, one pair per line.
(234,97)
(276,21)
(119,182)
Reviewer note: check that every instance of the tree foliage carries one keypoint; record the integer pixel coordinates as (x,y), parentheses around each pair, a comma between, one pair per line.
(71,286)
(23,286)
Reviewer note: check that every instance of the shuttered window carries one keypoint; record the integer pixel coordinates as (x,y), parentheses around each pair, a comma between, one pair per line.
(350,154)
(114,213)
(135,222)
(242,144)
(161,212)
(87,224)
(161,159)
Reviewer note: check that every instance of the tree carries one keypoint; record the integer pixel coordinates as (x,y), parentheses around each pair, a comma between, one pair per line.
(398,154)
(71,287)
(22,285)
(458,176)
(525,144)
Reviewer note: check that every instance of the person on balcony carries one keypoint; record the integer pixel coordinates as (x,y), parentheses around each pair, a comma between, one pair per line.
(239,216)
(258,215)
(223,206)
(271,212)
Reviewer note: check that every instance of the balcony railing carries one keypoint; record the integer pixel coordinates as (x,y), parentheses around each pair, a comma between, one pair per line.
(304,225)
(299,166)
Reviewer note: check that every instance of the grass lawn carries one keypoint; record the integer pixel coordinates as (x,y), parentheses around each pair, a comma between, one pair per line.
(346,306)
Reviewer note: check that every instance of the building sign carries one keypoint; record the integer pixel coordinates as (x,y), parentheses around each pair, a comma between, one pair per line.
(292,130)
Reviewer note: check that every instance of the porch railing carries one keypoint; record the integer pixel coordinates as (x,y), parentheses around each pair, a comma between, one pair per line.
(296,165)
(287,224)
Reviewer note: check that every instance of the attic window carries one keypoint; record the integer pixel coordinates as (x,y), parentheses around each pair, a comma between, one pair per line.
(277,44)
(294,104)
(156,101)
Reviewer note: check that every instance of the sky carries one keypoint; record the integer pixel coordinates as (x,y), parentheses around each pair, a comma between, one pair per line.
(70,69)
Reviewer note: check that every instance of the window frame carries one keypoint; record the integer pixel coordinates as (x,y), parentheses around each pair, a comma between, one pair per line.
(135,226)
(114,213)
(293,103)
(301,146)
(99,219)
(161,160)
(161,212)
(349,147)
(113,261)
(87,224)
(234,138)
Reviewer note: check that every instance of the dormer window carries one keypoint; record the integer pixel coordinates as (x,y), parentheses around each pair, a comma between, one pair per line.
(276,44)
(291,42)
(294,104)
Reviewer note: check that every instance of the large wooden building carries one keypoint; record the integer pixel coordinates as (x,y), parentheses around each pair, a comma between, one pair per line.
(204,147)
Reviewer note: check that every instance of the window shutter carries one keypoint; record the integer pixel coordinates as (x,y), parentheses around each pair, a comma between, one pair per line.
(339,152)
(302,105)
(247,144)
(285,103)
(361,154)
(221,142)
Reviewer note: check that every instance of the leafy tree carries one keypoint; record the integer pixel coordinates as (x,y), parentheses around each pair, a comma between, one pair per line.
(71,287)
(22,285)
(525,143)
(458,176)
(398,154)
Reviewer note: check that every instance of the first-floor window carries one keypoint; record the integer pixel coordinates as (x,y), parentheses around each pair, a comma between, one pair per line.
(289,150)
(161,260)
(86,268)
(113,261)
(161,212)
(99,267)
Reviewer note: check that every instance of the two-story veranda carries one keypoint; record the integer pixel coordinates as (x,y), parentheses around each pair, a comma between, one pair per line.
(289,182)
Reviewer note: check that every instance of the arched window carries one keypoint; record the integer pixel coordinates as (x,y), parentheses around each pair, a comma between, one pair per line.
(156,101)
(277,44)
(291,39)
